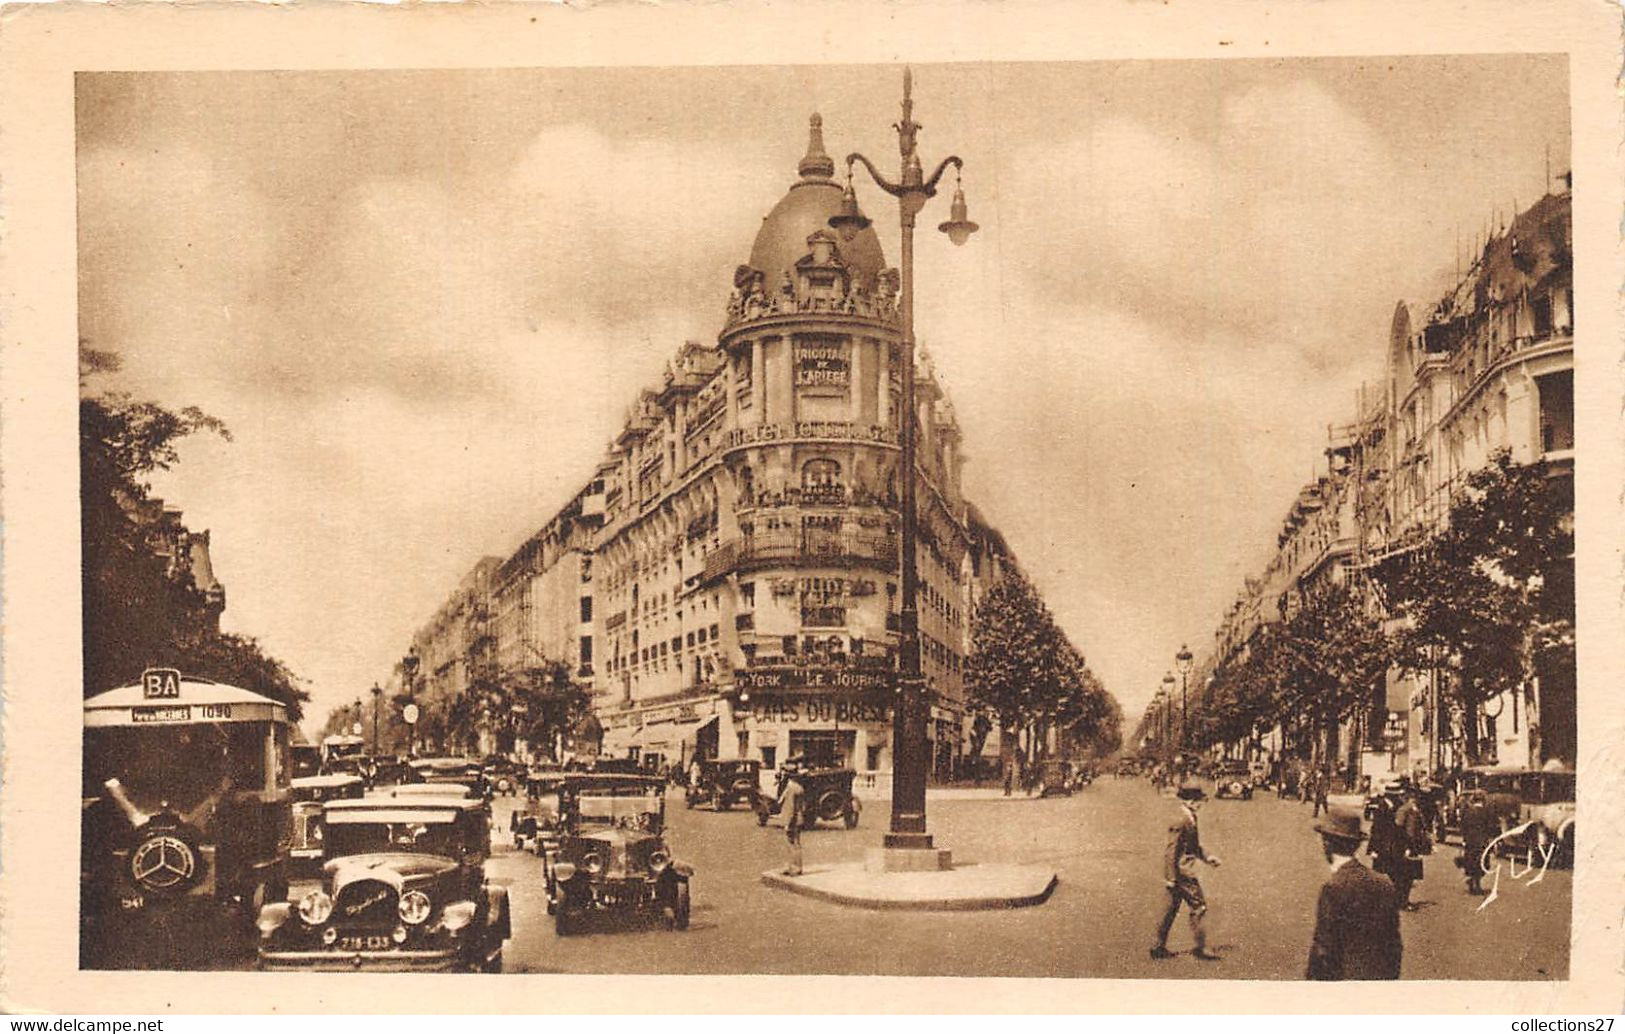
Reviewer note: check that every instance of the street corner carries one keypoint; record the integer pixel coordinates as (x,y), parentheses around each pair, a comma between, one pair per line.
(962,888)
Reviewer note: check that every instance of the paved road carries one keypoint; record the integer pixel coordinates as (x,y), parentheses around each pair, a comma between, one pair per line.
(1106,844)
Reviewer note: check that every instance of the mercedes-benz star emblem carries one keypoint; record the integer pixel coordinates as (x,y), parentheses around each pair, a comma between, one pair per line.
(163,862)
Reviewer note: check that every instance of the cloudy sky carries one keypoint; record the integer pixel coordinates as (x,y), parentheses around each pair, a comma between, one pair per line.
(422,300)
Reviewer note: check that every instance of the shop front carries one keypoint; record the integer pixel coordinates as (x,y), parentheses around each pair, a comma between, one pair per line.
(832,716)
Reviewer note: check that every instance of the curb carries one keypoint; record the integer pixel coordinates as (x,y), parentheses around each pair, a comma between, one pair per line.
(967,904)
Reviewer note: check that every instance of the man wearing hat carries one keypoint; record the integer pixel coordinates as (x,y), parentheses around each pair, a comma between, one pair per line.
(1357,917)
(1179,876)
(791,793)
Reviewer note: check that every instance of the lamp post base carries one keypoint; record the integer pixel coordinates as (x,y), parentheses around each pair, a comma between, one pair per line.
(908,859)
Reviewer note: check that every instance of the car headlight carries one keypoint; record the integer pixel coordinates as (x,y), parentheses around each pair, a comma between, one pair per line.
(593,864)
(457,915)
(315,907)
(565,871)
(659,859)
(272,917)
(414,907)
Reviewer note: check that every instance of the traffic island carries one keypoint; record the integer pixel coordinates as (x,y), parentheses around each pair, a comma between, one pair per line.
(960,888)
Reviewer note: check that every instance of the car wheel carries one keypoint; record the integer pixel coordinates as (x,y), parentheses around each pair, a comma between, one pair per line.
(723,804)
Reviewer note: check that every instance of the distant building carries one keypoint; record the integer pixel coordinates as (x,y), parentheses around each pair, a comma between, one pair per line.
(184,552)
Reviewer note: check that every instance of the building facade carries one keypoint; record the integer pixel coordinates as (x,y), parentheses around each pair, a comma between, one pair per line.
(729,576)
(1489,367)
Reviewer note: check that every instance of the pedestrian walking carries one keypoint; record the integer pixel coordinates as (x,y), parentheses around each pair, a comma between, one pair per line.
(1179,875)
(1357,917)
(790,806)
(1323,786)
(1413,842)
(1387,843)
(1478,828)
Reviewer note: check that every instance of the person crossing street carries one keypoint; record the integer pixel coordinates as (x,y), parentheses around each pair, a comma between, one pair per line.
(791,798)
(1179,876)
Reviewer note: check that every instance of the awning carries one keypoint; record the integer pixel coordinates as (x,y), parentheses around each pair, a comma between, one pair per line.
(667,736)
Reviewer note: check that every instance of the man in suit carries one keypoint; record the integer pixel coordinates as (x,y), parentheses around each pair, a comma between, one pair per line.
(1412,842)
(1179,875)
(1357,917)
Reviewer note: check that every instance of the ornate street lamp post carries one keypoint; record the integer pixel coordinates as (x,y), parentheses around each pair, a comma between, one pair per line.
(377,696)
(1168,714)
(1183,660)
(912,190)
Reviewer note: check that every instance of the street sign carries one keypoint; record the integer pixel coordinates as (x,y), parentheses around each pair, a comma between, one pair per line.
(161,683)
(409,714)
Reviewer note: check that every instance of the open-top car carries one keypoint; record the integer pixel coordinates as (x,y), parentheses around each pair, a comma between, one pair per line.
(1233,779)
(403,888)
(612,854)
(310,793)
(827,793)
(722,784)
(535,822)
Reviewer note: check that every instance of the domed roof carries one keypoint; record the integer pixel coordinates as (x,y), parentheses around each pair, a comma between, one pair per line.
(806,209)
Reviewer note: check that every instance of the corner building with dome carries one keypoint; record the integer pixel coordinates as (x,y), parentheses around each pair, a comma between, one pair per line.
(743,583)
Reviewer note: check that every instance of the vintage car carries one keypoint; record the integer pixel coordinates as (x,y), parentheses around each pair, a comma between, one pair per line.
(1233,779)
(612,854)
(185,817)
(505,778)
(1533,808)
(1498,787)
(310,793)
(403,888)
(306,759)
(1055,777)
(452,770)
(722,784)
(827,793)
(535,823)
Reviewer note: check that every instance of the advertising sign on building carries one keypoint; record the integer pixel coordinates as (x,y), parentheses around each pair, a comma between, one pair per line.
(822,366)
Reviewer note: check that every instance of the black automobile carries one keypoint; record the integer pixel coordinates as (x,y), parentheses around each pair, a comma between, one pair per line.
(310,794)
(722,784)
(1233,779)
(827,793)
(1055,777)
(452,770)
(403,889)
(535,822)
(505,778)
(612,854)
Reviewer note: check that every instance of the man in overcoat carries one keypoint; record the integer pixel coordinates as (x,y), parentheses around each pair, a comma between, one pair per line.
(1357,917)
(1179,875)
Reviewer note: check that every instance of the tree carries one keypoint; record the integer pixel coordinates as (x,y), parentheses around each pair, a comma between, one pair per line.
(1010,650)
(140,608)
(1490,597)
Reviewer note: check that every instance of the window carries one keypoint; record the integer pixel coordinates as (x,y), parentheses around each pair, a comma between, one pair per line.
(676,643)
(1556,411)
(689,640)
(874,757)
(1541,309)
(821,481)
(770,756)
(586,649)
(714,631)
(586,608)
(747,593)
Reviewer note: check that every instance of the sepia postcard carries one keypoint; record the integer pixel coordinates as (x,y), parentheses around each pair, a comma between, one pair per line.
(949,507)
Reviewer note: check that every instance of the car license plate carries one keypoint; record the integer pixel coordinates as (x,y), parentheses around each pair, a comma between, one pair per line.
(131,904)
(374,943)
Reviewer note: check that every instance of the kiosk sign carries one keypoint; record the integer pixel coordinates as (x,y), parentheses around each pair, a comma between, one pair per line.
(161,684)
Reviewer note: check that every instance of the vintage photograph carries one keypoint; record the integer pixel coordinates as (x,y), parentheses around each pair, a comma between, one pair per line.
(1082,519)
